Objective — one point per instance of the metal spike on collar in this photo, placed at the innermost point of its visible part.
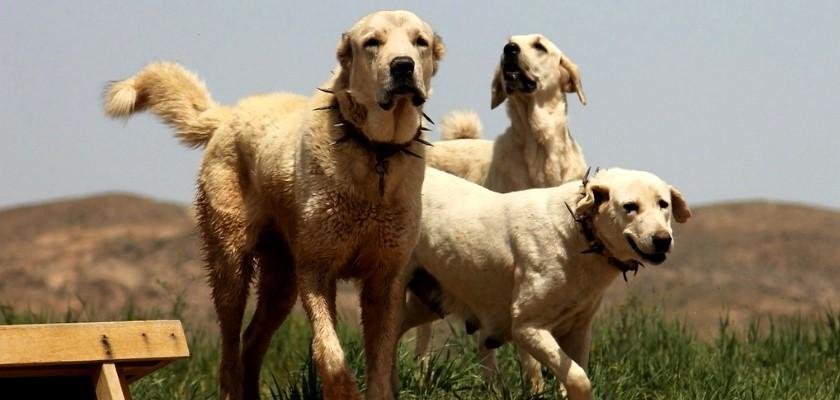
(411, 153)
(329, 107)
(427, 118)
(586, 176)
(341, 139)
(423, 141)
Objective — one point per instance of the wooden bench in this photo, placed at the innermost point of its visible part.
(85, 360)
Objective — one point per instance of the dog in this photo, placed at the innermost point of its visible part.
(537, 150)
(538, 276)
(299, 192)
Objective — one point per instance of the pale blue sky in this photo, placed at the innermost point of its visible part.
(726, 100)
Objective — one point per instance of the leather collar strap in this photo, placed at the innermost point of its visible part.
(597, 246)
(382, 150)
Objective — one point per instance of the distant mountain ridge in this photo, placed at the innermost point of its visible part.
(750, 258)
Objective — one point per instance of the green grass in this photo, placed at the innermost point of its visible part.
(636, 354)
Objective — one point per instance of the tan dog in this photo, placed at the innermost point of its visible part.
(537, 149)
(301, 192)
(538, 277)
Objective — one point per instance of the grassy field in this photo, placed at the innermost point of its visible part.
(636, 354)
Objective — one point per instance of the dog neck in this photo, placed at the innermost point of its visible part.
(399, 124)
(349, 131)
(539, 126)
(594, 244)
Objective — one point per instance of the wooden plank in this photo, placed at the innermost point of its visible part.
(108, 383)
(124, 384)
(131, 370)
(55, 344)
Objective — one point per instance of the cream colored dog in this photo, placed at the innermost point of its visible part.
(537, 149)
(532, 266)
(301, 192)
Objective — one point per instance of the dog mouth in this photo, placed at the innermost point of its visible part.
(402, 89)
(655, 258)
(516, 80)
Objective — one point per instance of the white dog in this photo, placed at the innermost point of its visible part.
(537, 150)
(532, 266)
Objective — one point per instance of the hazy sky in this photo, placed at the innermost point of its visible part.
(726, 100)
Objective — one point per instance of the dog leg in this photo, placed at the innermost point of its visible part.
(317, 293)
(542, 345)
(576, 344)
(229, 263)
(415, 314)
(422, 338)
(276, 294)
(487, 358)
(381, 300)
(531, 371)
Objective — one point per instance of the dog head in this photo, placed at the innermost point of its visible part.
(531, 66)
(386, 63)
(631, 213)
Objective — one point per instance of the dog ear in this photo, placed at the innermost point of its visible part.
(497, 90)
(678, 206)
(438, 51)
(344, 51)
(573, 83)
(596, 194)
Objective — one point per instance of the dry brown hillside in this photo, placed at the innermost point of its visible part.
(752, 258)
(105, 251)
(755, 258)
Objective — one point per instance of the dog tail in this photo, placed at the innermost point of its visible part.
(174, 94)
(460, 125)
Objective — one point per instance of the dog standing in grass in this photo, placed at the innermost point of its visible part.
(537, 150)
(302, 191)
(532, 266)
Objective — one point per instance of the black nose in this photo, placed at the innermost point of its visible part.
(511, 50)
(662, 241)
(402, 67)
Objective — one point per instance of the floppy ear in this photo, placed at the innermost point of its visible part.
(438, 50)
(497, 90)
(596, 194)
(344, 51)
(679, 207)
(573, 83)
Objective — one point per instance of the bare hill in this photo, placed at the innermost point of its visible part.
(108, 251)
(747, 259)
(100, 253)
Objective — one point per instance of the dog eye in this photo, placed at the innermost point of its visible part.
(372, 42)
(663, 204)
(540, 47)
(631, 207)
(420, 42)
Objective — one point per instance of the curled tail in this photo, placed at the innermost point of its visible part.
(174, 94)
(460, 125)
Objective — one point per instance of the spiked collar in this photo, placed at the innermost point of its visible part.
(382, 151)
(596, 245)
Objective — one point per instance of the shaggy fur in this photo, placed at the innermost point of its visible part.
(282, 199)
(537, 150)
(515, 263)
